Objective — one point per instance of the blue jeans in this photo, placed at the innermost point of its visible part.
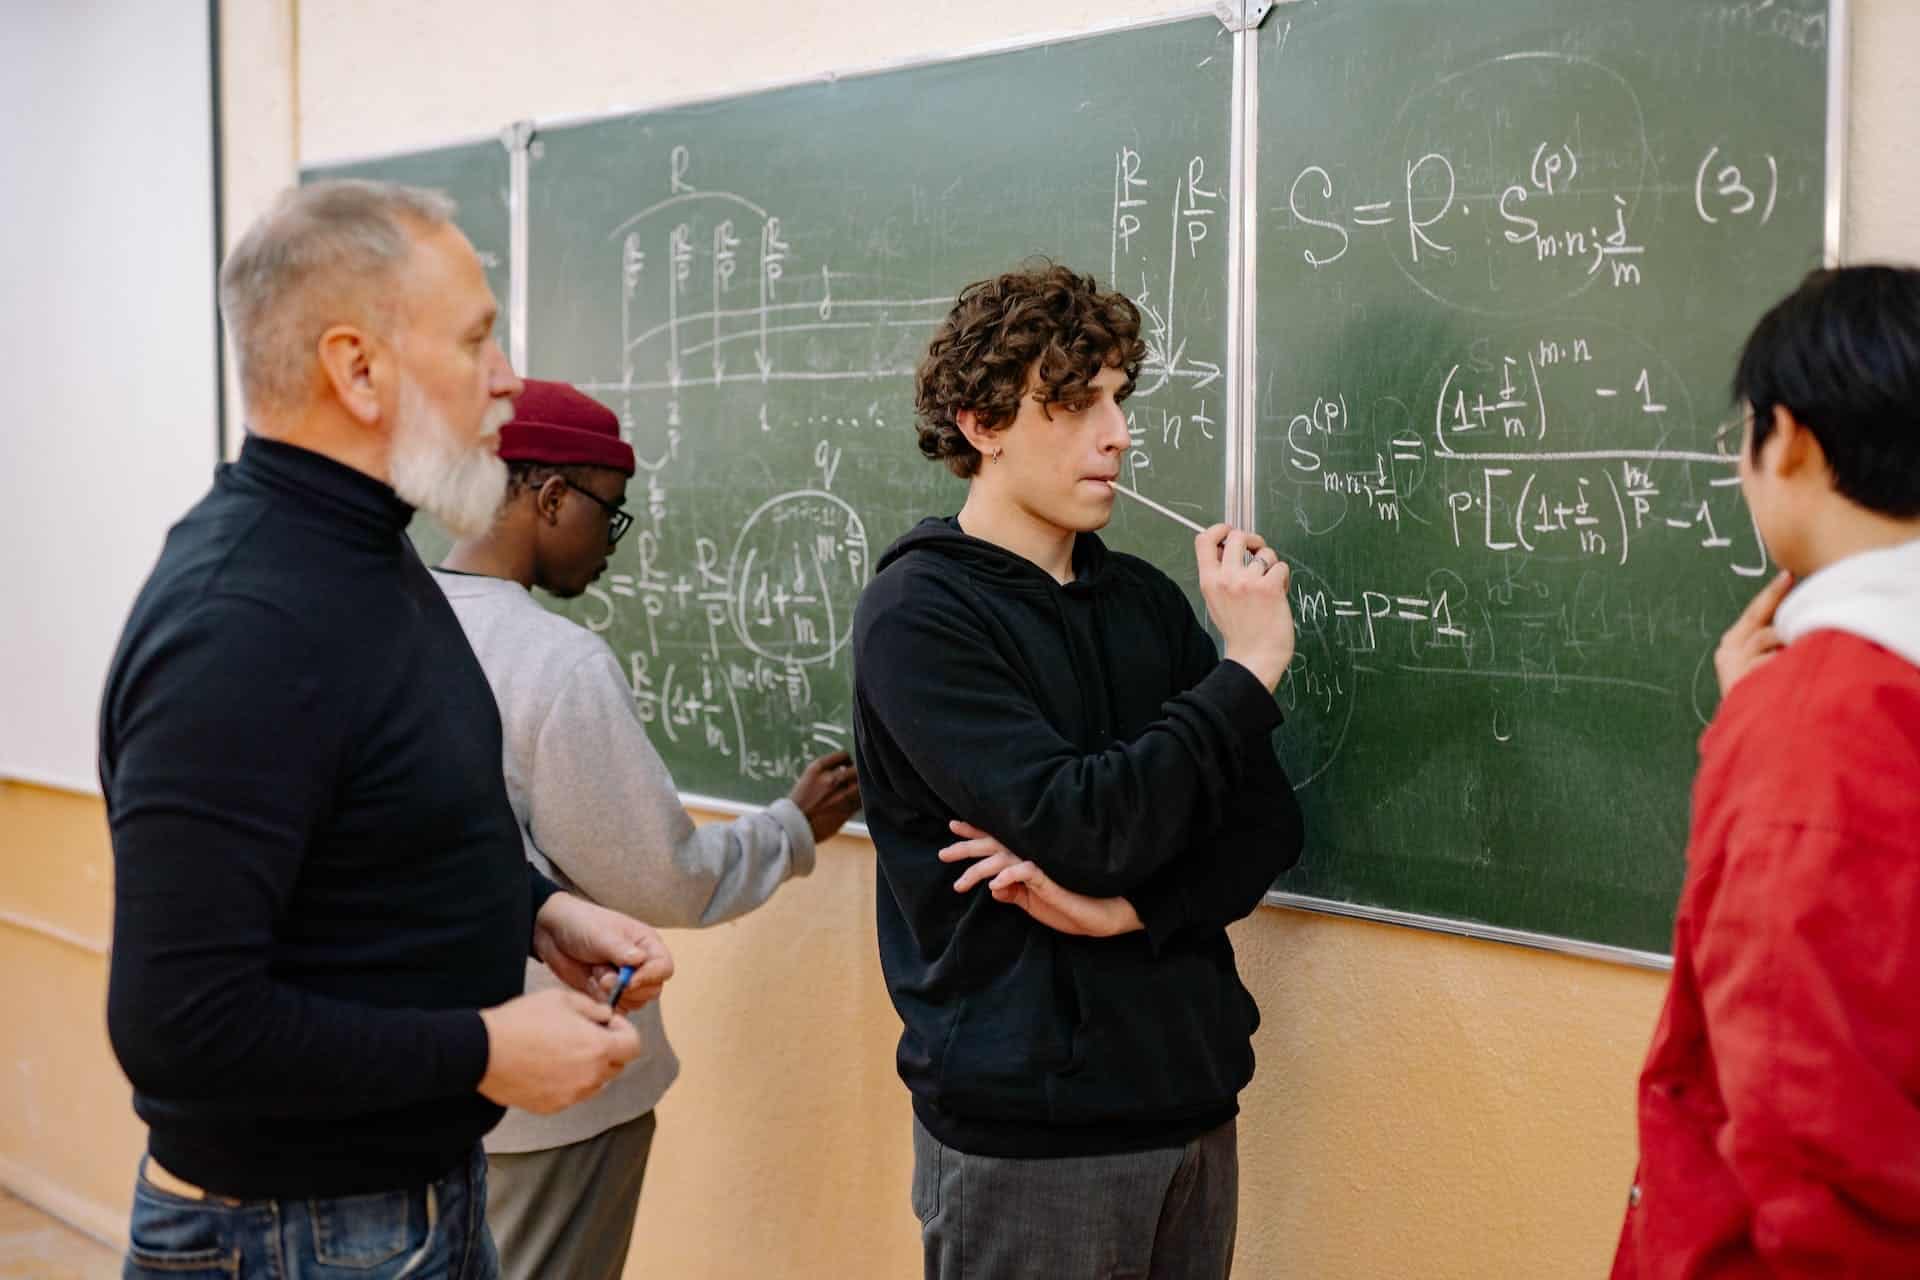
(437, 1231)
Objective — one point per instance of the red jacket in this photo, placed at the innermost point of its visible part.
(1779, 1109)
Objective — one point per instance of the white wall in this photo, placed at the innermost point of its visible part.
(107, 321)
(448, 69)
(1883, 150)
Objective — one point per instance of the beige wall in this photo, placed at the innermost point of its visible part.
(1424, 1106)
(68, 1137)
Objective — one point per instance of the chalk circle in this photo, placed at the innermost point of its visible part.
(1481, 131)
(795, 575)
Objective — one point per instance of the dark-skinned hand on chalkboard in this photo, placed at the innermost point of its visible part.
(827, 793)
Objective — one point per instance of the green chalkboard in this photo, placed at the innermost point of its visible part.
(476, 176)
(1507, 251)
(750, 283)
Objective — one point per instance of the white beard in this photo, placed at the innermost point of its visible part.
(460, 485)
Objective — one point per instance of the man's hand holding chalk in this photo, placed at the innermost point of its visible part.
(1245, 586)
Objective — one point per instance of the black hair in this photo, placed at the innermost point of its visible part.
(1841, 353)
(1042, 318)
(525, 476)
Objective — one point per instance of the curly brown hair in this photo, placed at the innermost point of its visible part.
(1044, 323)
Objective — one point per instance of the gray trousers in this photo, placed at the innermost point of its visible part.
(566, 1213)
(1147, 1215)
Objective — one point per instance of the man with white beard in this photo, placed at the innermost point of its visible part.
(322, 908)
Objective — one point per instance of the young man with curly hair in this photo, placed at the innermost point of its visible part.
(1076, 1037)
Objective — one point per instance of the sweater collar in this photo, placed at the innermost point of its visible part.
(315, 483)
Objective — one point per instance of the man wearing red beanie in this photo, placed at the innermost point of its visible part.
(599, 814)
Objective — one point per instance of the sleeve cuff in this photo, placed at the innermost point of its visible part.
(463, 1037)
(799, 834)
(1161, 914)
(1237, 693)
(541, 889)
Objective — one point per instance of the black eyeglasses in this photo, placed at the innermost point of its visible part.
(618, 521)
(1729, 435)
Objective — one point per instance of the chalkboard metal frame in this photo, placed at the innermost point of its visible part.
(1243, 225)
(1839, 61)
(522, 135)
(517, 137)
(1838, 56)
(1242, 356)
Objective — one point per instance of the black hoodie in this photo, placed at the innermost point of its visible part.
(1092, 728)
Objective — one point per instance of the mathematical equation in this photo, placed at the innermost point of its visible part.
(1490, 472)
(1526, 212)
(1194, 212)
(1519, 630)
(733, 633)
(1538, 210)
(1526, 461)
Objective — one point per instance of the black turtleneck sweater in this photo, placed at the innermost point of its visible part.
(318, 879)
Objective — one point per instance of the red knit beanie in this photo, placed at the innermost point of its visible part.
(557, 425)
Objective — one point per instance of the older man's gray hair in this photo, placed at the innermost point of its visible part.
(325, 254)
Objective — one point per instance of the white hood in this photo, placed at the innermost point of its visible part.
(1874, 595)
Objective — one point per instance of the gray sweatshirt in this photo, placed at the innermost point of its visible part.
(599, 814)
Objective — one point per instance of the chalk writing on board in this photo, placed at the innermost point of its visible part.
(1480, 475)
(1532, 219)
(1544, 438)
(734, 596)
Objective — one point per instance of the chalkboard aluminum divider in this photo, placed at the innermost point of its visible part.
(1839, 58)
(1242, 293)
(735, 809)
(1469, 929)
(517, 138)
(1242, 15)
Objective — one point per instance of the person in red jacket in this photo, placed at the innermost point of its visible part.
(1779, 1109)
